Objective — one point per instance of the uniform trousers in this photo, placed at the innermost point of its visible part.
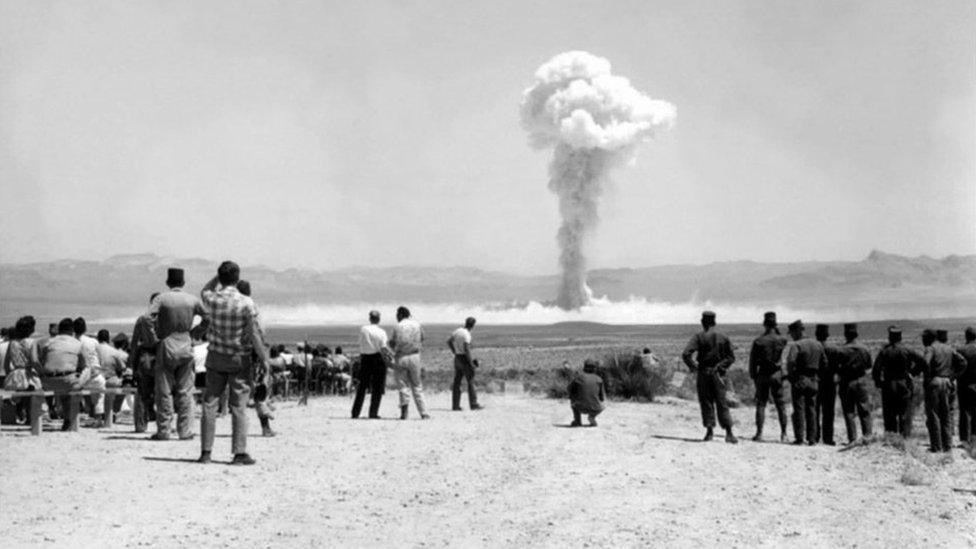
(896, 406)
(826, 403)
(855, 404)
(711, 398)
(967, 410)
(804, 393)
(770, 386)
(937, 414)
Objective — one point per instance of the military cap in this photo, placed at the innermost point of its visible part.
(894, 330)
(708, 314)
(942, 335)
(769, 318)
(970, 332)
(174, 277)
(822, 330)
(591, 363)
(796, 325)
(929, 333)
(850, 326)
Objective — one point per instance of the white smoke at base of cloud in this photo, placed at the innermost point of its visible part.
(595, 121)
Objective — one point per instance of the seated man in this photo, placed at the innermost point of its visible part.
(112, 365)
(587, 393)
(343, 369)
(94, 403)
(62, 366)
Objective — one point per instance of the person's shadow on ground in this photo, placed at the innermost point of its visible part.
(679, 439)
(181, 460)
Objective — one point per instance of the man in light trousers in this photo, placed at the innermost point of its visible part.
(407, 341)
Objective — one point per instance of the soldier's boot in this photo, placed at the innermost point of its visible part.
(757, 437)
(266, 429)
(730, 438)
(404, 410)
(783, 437)
(709, 434)
(577, 420)
(759, 426)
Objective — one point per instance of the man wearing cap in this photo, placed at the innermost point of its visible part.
(142, 362)
(892, 373)
(407, 341)
(232, 328)
(766, 373)
(174, 374)
(826, 387)
(804, 359)
(967, 389)
(464, 365)
(942, 364)
(855, 362)
(713, 356)
(372, 367)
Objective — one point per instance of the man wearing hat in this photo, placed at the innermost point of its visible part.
(804, 359)
(586, 394)
(767, 374)
(855, 363)
(826, 387)
(892, 373)
(174, 374)
(967, 389)
(373, 344)
(713, 356)
(942, 364)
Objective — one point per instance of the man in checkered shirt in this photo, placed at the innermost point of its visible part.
(233, 323)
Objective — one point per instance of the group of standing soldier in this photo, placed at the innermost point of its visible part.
(818, 372)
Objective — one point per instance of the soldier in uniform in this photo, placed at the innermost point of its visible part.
(142, 359)
(713, 356)
(892, 373)
(942, 336)
(966, 386)
(767, 374)
(942, 363)
(804, 360)
(827, 387)
(855, 363)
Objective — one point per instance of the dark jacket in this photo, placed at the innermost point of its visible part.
(765, 354)
(587, 393)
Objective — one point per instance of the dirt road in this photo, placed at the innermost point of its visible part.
(510, 475)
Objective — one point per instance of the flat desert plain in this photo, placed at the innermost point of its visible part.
(511, 475)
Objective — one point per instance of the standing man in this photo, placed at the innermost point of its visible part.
(372, 366)
(407, 341)
(766, 373)
(233, 324)
(713, 356)
(892, 373)
(174, 311)
(855, 363)
(804, 360)
(261, 376)
(142, 362)
(942, 363)
(826, 387)
(464, 365)
(967, 389)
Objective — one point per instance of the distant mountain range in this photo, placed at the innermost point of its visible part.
(122, 283)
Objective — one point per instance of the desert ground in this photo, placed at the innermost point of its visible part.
(511, 475)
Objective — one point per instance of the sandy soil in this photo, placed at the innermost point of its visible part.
(511, 475)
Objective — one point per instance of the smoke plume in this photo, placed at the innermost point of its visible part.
(595, 121)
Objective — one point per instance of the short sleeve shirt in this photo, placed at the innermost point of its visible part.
(459, 338)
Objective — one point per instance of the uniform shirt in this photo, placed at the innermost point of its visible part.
(855, 361)
(232, 320)
(895, 362)
(713, 349)
(805, 357)
(408, 337)
(59, 354)
(765, 354)
(458, 338)
(110, 359)
(174, 311)
(372, 339)
(942, 360)
(586, 392)
(89, 348)
(968, 352)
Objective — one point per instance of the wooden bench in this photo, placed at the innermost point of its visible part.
(74, 403)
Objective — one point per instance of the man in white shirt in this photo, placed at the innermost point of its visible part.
(372, 367)
(407, 340)
(464, 365)
(89, 349)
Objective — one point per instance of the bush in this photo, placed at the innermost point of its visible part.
(624, 377)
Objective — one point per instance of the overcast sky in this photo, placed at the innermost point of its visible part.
(329, 134)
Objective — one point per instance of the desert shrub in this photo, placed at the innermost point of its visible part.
(915, 474)
(624, 377)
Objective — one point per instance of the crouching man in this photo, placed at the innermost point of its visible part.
(586, 394)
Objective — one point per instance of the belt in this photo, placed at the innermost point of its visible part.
(59, 374)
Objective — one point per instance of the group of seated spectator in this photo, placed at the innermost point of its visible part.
(66, 360)
(327, 370)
